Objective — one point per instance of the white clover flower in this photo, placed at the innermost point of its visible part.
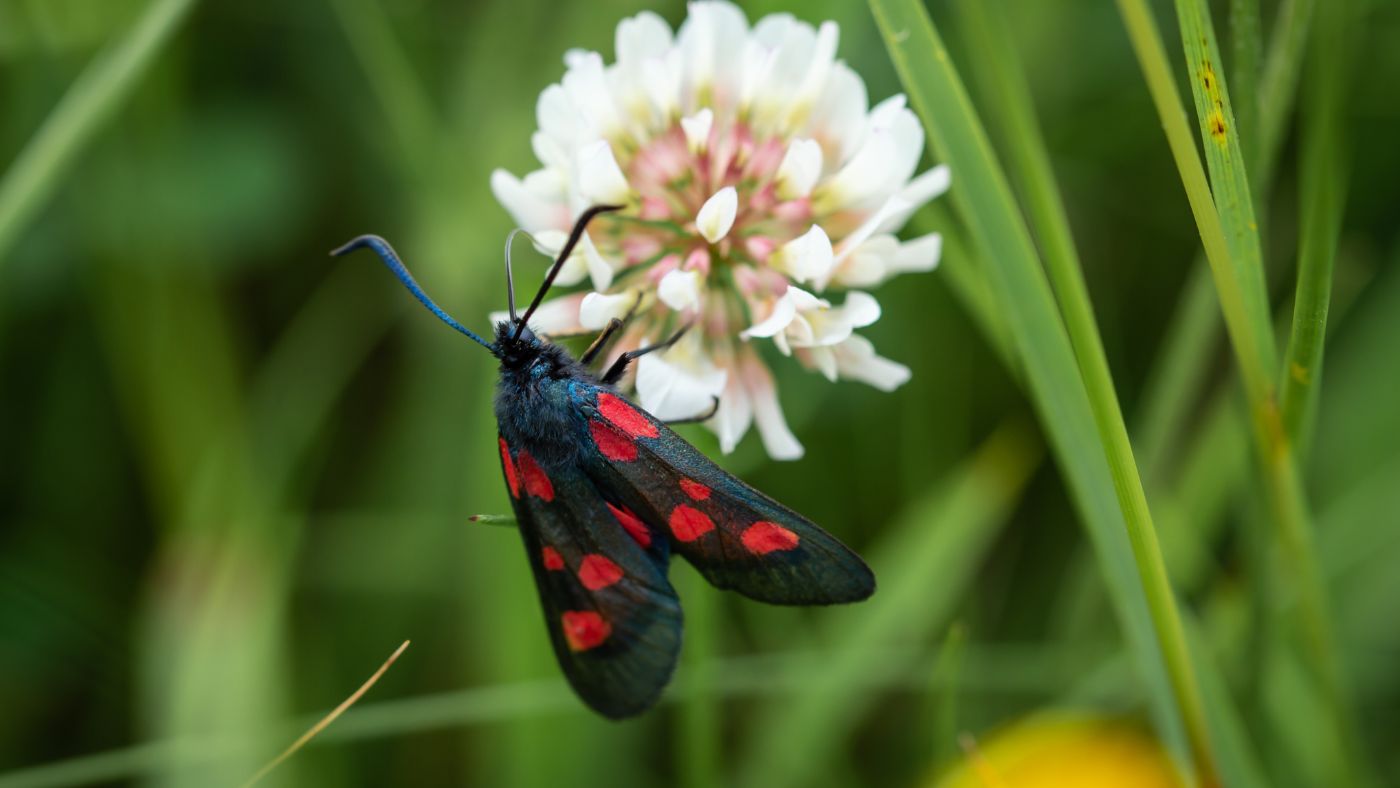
(756, 178)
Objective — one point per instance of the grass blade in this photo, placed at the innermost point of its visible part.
(1321, 194)
(1234, 203)
(1252, 340)
(1246, 43)
(697, 738)
(1241, 325)
(325, 721)
(1085, 426)
(1176, 378)
(1278, 85)
(87, 105)
(945, 709)
(1011, 102)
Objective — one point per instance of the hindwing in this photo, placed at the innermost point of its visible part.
(612, 615)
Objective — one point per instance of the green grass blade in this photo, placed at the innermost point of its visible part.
(1321, 194)
(1278, 85)
(82, 112)
(1176, 379)
(696, 739)
(1010, 100)
(1252, 342)
(1239, 321)
(945, 707)
(1221, 135)
(1009, 103)
(1246, 45)
(924, 567)
(1191, 336)
(1084, 426)
(1286, 498)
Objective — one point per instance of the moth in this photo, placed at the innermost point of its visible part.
(604, 493)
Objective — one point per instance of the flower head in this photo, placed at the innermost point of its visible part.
(757, 180)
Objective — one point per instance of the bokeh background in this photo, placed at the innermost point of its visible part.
(235, 473)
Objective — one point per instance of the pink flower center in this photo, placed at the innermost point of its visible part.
(672, 184)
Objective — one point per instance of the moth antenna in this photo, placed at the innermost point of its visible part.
(391, 260)
(574, 236)
(510, 278)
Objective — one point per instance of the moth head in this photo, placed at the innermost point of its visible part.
(517, 346)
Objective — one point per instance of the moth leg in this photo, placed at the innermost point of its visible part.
(601, 342)
(614, 373)
(714, 408)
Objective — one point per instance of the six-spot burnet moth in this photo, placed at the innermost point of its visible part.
(604, 493)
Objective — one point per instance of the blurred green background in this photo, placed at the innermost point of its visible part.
(236, 473)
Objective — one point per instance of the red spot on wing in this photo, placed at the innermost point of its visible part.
(536, 483)
(689, 523)
(626, 417)
(614, 446)
(764, 537)
(598, 572)
(585, 629)
(512, 480)
(695, 490)
(634, 527)
(552, 560)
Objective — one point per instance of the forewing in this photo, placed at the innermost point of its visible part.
(736, 536)
(612, 615)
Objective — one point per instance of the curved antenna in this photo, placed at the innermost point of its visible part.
(510, 278)
(391, 260)
(574, 236)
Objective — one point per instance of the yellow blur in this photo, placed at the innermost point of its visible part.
(1064, 750)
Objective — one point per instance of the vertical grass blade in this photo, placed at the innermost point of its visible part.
(1185, 359)
(1177, 377)
(1286, 498)
(697, 746)
(1220, 132)
(1084, 426)
(945, 706)
(1147, 43)
(1009, 98)
(1278, 85)
(1321, 196)
(87, 105)
(1246, 44)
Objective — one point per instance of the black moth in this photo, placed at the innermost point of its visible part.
(604, 493)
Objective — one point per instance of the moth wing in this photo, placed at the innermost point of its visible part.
(612, 615)
(736, 536)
